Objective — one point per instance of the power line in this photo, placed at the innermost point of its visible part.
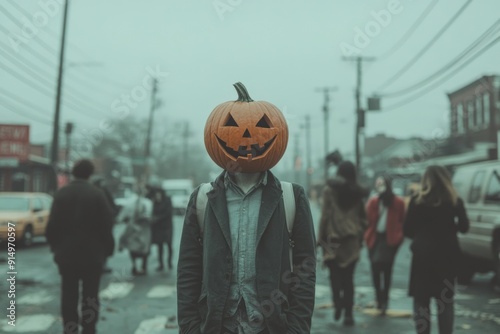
(48, 31)
(411, 30)
(76, 105)
(20, 99)
(449, 65)
(429, 88)
(412, 61)
(42, 90)
(42, 71)
(17, 111)
(41, 42)
(43, 58)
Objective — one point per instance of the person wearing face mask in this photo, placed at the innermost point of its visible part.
(384, 235)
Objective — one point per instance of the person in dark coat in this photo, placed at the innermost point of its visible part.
(161, 227)
(435, 216)
(341, 229)
(384, 235)
(205, 277)
(79, 234)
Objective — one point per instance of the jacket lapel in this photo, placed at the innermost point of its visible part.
(217, 201)
(271, 197)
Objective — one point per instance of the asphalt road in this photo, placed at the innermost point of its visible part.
(146, 304)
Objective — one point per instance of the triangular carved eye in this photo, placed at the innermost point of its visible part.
(264, 122)
(230, 121)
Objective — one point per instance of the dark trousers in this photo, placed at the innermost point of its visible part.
(143, 257)
(71, 276)
(342, 284)
(422, 316)
(160, 254)
(382, 278)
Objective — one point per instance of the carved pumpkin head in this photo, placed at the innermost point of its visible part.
(245, 135)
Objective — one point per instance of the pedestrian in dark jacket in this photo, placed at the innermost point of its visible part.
(342, 224)
(161, 226)
(434, 218)
(79, 235)
(384, 235)
(236, 271)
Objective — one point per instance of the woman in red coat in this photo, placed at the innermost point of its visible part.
(385, 214)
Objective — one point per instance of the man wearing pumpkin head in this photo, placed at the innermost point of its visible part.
(247, 260)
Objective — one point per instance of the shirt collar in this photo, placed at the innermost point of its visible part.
(228, 180)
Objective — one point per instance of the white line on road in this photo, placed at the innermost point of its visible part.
(29, 323)
(116, 290)
(152, 326)
(161, 291)
(36, 298)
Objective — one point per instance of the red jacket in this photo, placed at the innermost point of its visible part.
(395, 219)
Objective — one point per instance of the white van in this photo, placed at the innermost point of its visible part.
(179, 191)
(478, 185)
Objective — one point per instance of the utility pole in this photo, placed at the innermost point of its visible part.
(55, 134)
(308, 154)
(147, 149)
(296, 162)
(360, 113)
(326, 91)
(67, 131)
(185, 136)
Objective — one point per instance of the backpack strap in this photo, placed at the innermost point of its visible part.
(289, 203)
(201, 204)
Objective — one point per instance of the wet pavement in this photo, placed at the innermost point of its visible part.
(147, 304)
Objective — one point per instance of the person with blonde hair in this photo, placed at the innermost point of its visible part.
(435, 215)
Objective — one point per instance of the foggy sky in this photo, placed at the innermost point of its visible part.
(281, 50)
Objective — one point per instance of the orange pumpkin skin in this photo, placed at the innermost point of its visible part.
(246, 136)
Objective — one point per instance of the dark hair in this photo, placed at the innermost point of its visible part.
(82, 169)
(347, 170)
(152, 191)
(350, 192)
(387, 197)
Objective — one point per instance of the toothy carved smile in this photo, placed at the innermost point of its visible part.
(244, 151)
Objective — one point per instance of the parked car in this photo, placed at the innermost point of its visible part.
(478, 185)
(179, 191)
(27, 212)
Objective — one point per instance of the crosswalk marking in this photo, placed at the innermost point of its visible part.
(322, 291)
(161, 291)
(29, 323)
(36, 298)
(116, 290)
(152, 326)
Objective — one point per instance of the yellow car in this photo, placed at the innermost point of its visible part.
(26, 214)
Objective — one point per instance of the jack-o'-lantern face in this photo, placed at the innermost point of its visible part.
(245, 135)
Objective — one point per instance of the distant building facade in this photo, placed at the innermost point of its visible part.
(475, 112)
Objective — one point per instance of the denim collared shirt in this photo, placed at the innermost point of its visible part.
(242, 313)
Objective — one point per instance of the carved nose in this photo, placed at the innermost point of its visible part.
(247, 134)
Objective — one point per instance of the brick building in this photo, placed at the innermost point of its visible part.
(475, 112)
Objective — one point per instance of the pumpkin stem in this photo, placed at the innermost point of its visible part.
(242, 93)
